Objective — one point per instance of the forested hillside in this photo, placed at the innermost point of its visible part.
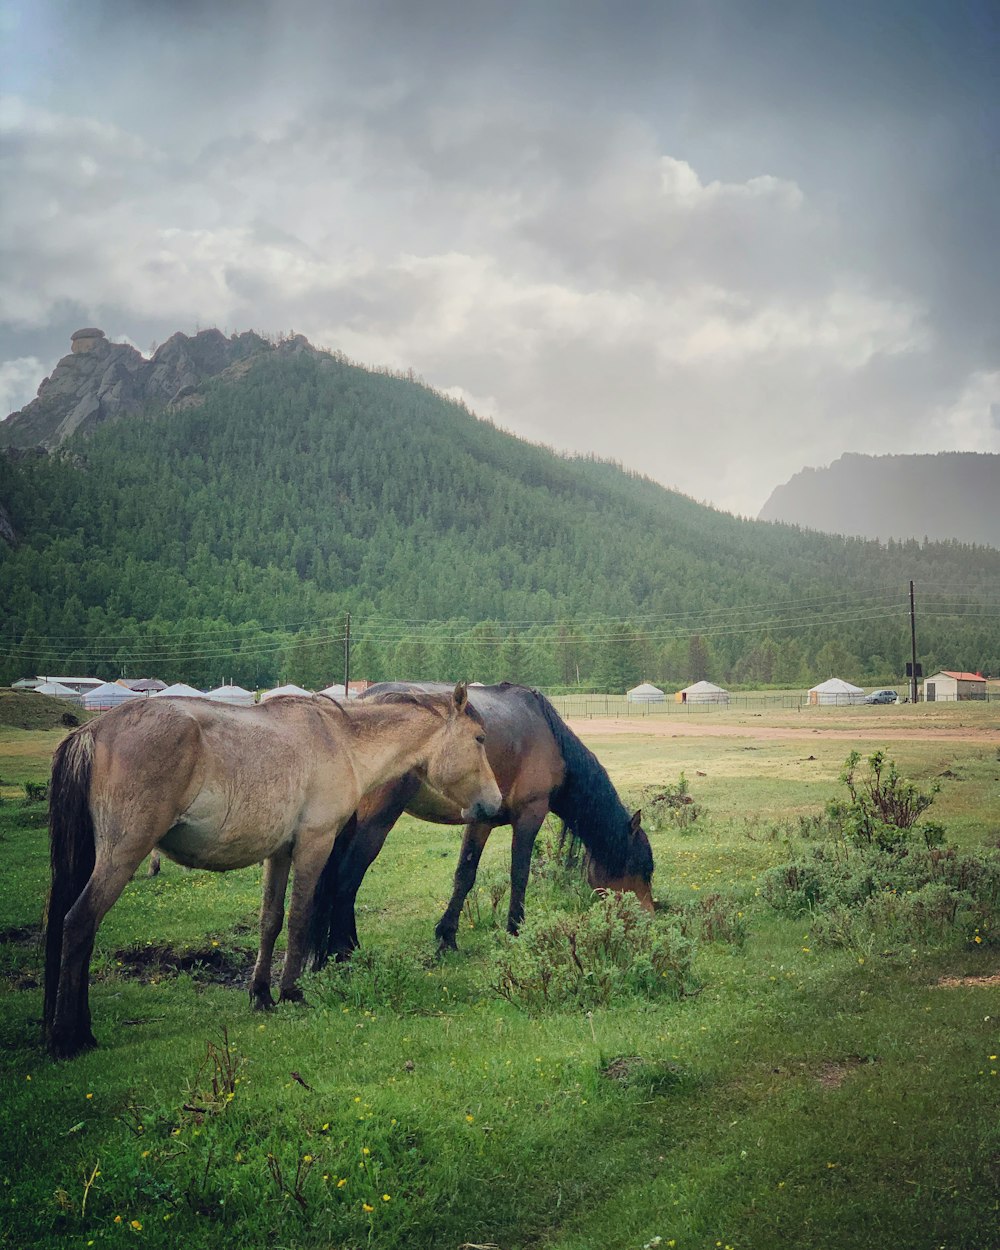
(229, 539)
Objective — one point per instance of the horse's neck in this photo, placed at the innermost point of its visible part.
(392, 739)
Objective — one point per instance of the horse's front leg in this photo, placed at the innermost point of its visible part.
(312, 850)
(526, 827)
(473, 841)
(272, 914)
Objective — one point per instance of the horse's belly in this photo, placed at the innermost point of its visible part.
(218, 834)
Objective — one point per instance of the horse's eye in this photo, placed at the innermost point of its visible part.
(481, 738)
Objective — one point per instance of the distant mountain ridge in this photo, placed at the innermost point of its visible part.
(102, 381)
(951, 495)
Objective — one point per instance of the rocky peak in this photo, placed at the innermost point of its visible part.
(102, 381)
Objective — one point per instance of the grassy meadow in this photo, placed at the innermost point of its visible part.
(822, 1080)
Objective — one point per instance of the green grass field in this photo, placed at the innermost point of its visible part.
(803, 1094)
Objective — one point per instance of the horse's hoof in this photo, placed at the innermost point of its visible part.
(292, 995)
(446, 944)
(261, 1000)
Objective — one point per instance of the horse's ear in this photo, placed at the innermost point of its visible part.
(460, 697)
(635, 824)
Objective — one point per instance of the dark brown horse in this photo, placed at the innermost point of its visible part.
(223, 787)
(541, 766)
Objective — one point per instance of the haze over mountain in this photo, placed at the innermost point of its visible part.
(217, 510)
(951, 495)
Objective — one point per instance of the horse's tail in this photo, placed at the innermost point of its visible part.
(324, 909)
(71, 848)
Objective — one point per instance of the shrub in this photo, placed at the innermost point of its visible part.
(586, 960)
(36, 791)
(370, 979)
(884, 807)
(669, 805)
(871, 880)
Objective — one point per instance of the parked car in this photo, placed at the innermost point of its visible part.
(882, 696)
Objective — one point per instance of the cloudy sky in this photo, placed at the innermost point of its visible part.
(716, 240)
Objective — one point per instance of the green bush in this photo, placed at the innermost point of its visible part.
(614, 948)
(883, 807)
(876, 875)
(669, 806)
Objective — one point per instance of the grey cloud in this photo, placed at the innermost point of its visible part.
(716, 242)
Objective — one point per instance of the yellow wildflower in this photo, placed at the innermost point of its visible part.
(366, 1206)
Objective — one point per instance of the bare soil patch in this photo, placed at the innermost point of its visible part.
(211, 964)
(986, 982)
(667, 728)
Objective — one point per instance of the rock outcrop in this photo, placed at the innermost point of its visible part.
(8, 534)
(103, 381)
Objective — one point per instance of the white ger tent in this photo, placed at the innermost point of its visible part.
(289, 689)
(836, 691)
(57, 691)
(703, 692)
(645, 692)
(179, 690)
(232, 694)
(109, 695)
(336, 691)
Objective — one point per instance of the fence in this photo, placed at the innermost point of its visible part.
(582, 706)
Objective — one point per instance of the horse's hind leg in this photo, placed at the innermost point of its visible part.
(71, 1031)
(526, 827)
(473, 840)
(272, 915)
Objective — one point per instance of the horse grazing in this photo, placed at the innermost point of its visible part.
(541, 766)
(221, 787)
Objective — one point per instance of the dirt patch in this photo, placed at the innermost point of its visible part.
(989, 981)
(832, 1073)
(668, 728)
(649, 1075)
(211, 964)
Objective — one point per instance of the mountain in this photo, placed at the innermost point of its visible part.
(227, 532)
(952, 495)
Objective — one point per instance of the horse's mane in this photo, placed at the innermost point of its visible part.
(432, 702)
(589, 807)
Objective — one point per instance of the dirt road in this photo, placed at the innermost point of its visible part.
(599, 727)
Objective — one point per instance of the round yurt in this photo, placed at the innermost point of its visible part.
(235, 695)
(835, 691)
(702, 692)
(101, 698)
(645, 692)
(179, 690)
(145, 685)
(56, 690)
(289, 689)
(336, 691)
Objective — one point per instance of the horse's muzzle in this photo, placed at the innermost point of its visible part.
(480, 811)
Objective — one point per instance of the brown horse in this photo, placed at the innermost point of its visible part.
(541, 766)
(222, 787)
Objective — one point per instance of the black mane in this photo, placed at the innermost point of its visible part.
(589, 807)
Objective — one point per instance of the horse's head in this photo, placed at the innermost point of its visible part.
(637, 876)
(457, 765)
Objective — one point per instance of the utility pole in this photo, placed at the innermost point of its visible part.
(913, 650)
(347, 656)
